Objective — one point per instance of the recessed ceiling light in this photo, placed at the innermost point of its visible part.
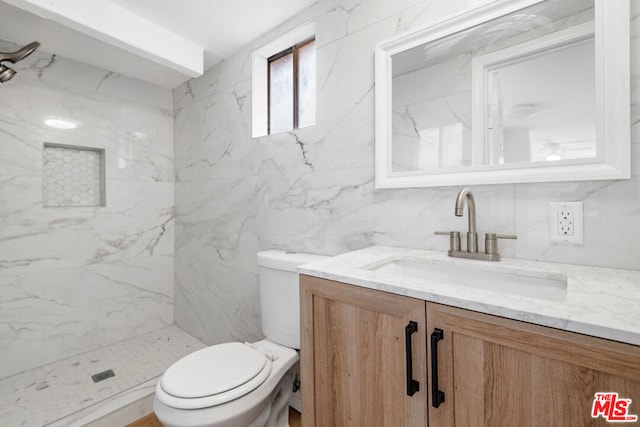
(60, 124)
(553, 157)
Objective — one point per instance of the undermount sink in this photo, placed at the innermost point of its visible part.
(527, 283)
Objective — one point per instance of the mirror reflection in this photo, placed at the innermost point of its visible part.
(518, 90)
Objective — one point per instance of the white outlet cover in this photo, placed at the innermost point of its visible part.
(555, 235)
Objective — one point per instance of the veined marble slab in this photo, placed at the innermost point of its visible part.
(55, 69)
(601, 302)
(63, 393)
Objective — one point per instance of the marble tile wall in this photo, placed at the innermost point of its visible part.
(431, 122)
(76, 278)
(312, 189)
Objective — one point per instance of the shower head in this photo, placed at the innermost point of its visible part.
(7, 73)
(19, 55)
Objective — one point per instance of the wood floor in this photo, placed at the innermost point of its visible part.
(147, 421)
(152, 421)
(295, 419)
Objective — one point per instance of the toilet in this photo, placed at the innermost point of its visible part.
(242, 384)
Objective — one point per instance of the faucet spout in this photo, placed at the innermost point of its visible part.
(472, 236)
(490, 252)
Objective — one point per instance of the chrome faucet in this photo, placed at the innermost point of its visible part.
(491, 239)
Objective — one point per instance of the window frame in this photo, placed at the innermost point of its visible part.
(259, 68)
(292, 50)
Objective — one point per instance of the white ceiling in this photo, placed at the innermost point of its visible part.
(221, 27)
(163, 42)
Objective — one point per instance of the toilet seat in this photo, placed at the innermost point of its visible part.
(213, 375)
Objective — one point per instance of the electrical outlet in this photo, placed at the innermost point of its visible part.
(566, 222)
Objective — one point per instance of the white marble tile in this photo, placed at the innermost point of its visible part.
(338, 18)
(63, 393)
(217, 216)
(54, 69)
(137, 222)
(440, 80)
(432, 134)
(217, 303)
(345, 73)
(218, 224)
(320, 212)
(78, 309)
(137, 138)
(611, 223)
(203, 149)
(325, 212)
(342, 142)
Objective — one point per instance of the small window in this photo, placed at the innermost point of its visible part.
(283, 82)
(292, 87)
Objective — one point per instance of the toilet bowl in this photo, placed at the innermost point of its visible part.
(242, 384)
(222, 403)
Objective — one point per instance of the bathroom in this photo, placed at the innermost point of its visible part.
(191, 197)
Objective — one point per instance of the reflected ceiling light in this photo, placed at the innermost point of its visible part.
(60, 123)
(523, 111)
(553, 150)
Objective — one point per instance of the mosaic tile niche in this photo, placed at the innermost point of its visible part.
(72, 176)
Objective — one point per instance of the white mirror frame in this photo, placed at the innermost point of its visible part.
(612, 104)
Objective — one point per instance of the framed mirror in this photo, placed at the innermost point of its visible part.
(513, 91)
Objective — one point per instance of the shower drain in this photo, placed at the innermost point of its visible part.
(101, 376)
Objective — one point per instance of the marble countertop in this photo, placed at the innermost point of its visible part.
(601, 302)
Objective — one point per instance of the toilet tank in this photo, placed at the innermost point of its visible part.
(280, 294)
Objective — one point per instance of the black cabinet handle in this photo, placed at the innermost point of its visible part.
(412, 385)
(437, 396)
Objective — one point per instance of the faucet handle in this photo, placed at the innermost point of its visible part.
(504, 236)
(491, 242)
(454, 239)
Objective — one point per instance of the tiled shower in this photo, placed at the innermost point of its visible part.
(86, 213)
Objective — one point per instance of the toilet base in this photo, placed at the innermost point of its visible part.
(266, 406)
(265, 415)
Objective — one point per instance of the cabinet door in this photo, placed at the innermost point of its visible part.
(353, 356)
(499, 372)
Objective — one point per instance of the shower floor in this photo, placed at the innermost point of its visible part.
(63, 394)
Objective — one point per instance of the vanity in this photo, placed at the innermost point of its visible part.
(407, 337)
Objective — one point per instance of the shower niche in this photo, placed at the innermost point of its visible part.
(72, 176)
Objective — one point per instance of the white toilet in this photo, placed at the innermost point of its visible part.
(241, 384)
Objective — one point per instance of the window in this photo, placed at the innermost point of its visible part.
(292, 87)
(284, 82)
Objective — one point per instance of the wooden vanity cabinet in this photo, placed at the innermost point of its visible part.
(353, 368)
(491, 371)
(500, 372)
